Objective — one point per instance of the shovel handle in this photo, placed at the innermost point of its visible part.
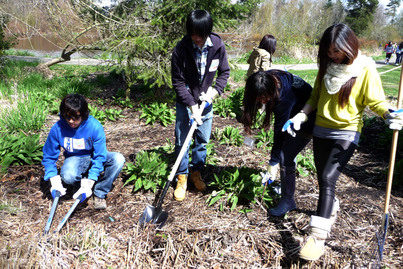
(52, 212)
(185, 146)
(395, 136)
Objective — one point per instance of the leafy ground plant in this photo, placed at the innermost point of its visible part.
(229, 136)
(149, 170)
(264, 139)
(235, 186)
(305, 163)
(19, 149)
(157, 112)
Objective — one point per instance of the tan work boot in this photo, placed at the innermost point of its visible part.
(314, 246)
(181, 185)
(197, 181)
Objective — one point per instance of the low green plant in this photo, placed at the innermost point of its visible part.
(231, 106)
(149, 170)
(19, 149)
(122, 102)
(305, 163)
(211, 157)
(27, 116)
(157, 112)
(264, 139)
(230, 136)
(113, 114)
(236, 186)
(97, 113)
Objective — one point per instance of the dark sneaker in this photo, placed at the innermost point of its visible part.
(99, 203)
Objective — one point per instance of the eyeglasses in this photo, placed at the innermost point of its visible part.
(73, 117)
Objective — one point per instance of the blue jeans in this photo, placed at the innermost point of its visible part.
(76, 167)
(201, 138)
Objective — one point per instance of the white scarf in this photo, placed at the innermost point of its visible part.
(338, 74)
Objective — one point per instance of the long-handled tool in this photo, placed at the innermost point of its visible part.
(79, 199)
(56, 197)
(381, 235)
(155, 214)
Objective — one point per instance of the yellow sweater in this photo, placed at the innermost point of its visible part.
(367, 91)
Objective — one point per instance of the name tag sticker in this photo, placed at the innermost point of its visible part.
(214, 65)
(79, 143)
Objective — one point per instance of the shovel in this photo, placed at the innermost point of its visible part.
(155, 214)
(381, 235)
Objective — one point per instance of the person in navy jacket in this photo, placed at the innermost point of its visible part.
(196, 60)
(82, 139)
(282, 95)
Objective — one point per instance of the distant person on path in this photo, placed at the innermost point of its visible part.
(399, 51)
(197, 59)
(389, 49)
(283, 95)
(87, 163)
(347, 82)
(261, 57)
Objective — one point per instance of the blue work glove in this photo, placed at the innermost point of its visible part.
(85, 189)
(294, 124)
(57, 185)
(209, 95)
(394, 119)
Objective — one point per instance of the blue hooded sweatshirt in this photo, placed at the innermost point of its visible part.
(87, 140)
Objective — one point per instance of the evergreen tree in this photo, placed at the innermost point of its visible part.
(360, 13)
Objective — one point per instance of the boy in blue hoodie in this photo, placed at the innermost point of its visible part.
(82, 139)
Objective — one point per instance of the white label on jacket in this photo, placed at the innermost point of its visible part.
(79, 143)
(214, 65)
(70, 144)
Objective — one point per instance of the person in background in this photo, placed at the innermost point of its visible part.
(196, 60)
(399, 51)
(261, 57)
(283, 95)
(389, 50)
(87, 162)
(347, 83)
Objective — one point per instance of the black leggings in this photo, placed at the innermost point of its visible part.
(331, 156)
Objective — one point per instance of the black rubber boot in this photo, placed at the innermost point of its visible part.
(287, 203)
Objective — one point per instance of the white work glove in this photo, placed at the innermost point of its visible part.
(395, 119)
(209, 95)
(86, 189)
(270, 175)
(56, 185)
(197, 114)
(294, 124)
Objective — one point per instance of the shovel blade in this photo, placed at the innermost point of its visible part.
(154, 215)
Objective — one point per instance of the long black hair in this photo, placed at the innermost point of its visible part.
(260, 85)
